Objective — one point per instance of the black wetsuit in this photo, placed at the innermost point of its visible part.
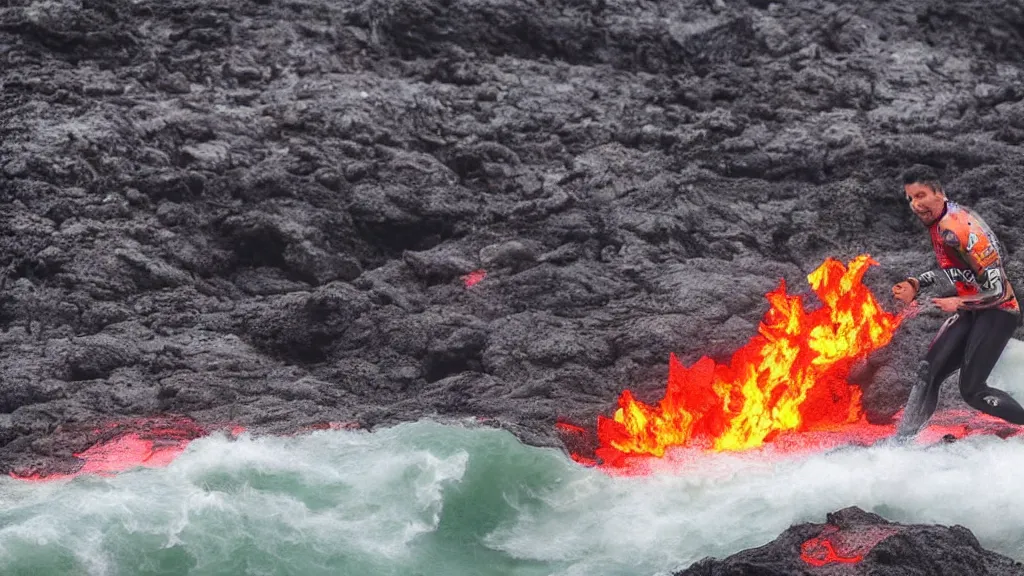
(972, 340)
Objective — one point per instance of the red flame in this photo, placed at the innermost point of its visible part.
(791, 377)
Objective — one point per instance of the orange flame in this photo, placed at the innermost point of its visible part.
(790, 377)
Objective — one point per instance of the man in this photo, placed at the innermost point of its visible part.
(985, 311)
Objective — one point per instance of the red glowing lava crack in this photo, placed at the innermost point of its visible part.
(843, 545)
(474, 278)
(119, 446)
(142, 442)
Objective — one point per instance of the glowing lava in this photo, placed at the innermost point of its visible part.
(146, 442)
(151, 442)
(820, 551)
(791, 377)
(835, 545)
(473, 278)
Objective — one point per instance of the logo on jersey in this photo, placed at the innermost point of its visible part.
(950, 238)
(988, 256)
(959, 275)
(993, 278)
(972, 239)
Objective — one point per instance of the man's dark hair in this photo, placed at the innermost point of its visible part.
(921, 174)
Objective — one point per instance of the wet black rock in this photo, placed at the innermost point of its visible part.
(289, 212)
(853, 541)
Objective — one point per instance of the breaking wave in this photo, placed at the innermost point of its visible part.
(426, 498)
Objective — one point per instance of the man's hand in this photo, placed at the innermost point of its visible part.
(949, 305)
(904, 292)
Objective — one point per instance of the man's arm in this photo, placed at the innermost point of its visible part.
(992, 289)
(979, 251)
(923, 280)
(907, 290)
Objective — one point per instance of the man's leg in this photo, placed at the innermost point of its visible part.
(992, 330)
(943, 358)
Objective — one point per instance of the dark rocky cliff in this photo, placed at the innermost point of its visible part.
(270, 212)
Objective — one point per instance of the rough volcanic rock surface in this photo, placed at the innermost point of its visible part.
(855, 542)
(263, 212)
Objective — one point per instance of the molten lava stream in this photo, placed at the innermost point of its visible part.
(790, 377)
(122, 445)
(828, 554)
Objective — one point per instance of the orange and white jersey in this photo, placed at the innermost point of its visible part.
(968, 254)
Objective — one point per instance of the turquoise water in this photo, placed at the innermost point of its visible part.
(432, 499)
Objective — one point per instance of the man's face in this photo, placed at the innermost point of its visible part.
(925, 202)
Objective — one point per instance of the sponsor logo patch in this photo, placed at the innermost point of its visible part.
(960, 275)
(993, 278)
(950, 238)
(988, 256)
